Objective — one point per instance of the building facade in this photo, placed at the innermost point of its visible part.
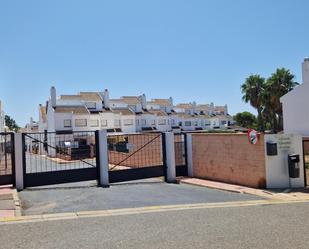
(2, 118)
(87, 111)
(295, 105)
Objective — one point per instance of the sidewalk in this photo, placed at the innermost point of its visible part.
(9, 202)
(277, 194)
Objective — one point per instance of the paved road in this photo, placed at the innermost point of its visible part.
(151, 192)
(283, 226)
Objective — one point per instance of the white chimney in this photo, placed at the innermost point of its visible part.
(171, 102)
(106, 99)
(194, 107)
(211, 108)
(31, 123)
(53, 96)
(225, 109)
(305, 67)
(143, 101)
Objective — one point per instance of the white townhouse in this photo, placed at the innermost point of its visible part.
(218, 116)
(2, 119)
(90, 111)
(86, 111)
(295, 105)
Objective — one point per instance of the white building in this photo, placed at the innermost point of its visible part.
(295, 105)
(2, 119)
(89, 111)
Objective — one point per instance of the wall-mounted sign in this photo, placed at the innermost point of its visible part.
(252, 136)
(284, 142)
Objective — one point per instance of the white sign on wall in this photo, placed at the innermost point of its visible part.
(277, 170)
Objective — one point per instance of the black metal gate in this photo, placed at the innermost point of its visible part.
(55, 158)
(136, 156)
(7, 163)
(306, 159)
(180, 154)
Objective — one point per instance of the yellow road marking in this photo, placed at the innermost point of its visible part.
(142, 210)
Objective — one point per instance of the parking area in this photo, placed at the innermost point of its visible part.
(87, 196)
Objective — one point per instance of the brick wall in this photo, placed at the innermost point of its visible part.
(229, 158)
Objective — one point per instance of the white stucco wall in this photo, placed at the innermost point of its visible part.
(295, 110)
(295, 106)
(125, 127)
(277, 171)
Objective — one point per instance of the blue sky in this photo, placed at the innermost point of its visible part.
(192, 50)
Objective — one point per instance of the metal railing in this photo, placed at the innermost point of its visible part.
(7, 159)
(135, 151)
(50, 151)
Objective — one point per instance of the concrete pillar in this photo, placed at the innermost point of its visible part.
(19, 161)
(103, 154)
(170, 157)
(189, 154)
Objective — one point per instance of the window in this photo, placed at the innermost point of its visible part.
(91, 105)
(223, 122)
(137, 122)
(128, 122)
(173, 121)
(195, 123)
(153, 122)
(103, 122)
(117, 122)
(207, 123)
(143, 121)
(67, 123)
(162, 122)
(180, 123)
(94, 123)
(80, 122)
(187, 123)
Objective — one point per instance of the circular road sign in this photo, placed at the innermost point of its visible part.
(252, 136)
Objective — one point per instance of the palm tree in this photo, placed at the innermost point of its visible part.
(253, 92)
(279, 83)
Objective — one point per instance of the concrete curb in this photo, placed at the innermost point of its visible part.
(17, 203)
(273, 195)
(141, 210)
(211, 187)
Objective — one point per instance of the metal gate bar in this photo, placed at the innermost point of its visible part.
(306, 159)
(180, 154)
(7, 159)
(136, 156)
(52, 158)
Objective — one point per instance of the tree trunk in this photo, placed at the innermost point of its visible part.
(260, 120)
(280, 123)
(275, 123)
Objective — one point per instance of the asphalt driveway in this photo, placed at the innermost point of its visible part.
(87, 197)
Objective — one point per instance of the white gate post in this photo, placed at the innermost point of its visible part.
(170, 157)
(19, 160)
(189, 154)
(103, 154)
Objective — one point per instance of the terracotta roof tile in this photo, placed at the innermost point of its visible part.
(131, 100)
(164, 102)
(70, 97)
(90, 96)
(123, 111)
(158, 113)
